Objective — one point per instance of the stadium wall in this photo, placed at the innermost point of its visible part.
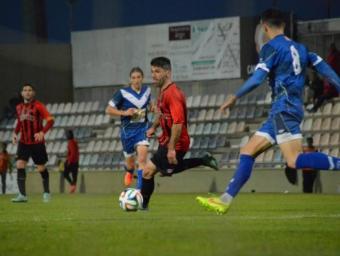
(47, 66)
(194, 181)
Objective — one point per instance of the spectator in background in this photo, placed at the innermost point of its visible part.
(5, 164)
(309, 175)
(72, 162)
(329, 91)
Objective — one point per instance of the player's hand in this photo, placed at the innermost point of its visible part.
(150, 132)
(228, 103)
(39, 136)
(14, 138)
(172, 156)
(130, 112)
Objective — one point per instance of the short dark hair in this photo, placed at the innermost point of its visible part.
(138, 70)
(28, 84)
(69, 134)
(273, 17)
(161, 62)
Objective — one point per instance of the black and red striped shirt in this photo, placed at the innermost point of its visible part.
(30, 118)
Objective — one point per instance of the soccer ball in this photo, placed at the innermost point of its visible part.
(130, 199)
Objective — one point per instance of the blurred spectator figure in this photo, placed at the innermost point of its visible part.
(310, 177)
(72, 162)
(329, 91)
(5, 165)
(315, 86)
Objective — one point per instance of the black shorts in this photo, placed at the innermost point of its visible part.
(160, 160)
(36, 151)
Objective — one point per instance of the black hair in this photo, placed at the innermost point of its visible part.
(273, 17)
(161, 62)
(137, 69)
(28, 84)
(69, 134)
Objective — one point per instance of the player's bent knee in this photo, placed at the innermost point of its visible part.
(21, 164)
(41, 168)
(291, 164)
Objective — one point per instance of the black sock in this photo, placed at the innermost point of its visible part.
(67, 177)
(147, 190)
(188, 164)
(21, 178)
(74, 177)
(45, 180)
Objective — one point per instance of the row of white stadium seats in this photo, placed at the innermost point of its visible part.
(73, 108)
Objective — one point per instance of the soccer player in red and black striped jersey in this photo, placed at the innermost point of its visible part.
(174, 141)
(30, 116)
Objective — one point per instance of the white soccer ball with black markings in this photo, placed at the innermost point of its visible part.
(130, 199)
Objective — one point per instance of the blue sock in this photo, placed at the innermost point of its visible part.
(241, 175)
(318, 161)
(139, 179)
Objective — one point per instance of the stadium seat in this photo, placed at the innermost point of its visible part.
(232, 128)
(81, 107)
(220, 100)
(196, 101)
(88, 107)
(201, 115)
(334, 140)
(54, 108)
(217, 115)
(221, 141)
(268, 156)
(250, 112)
(204, 142)
(324, 140)
(112, 146)
(60, 109)
(108, 132)
(94, 159)
(62, 148)
(119, 146)
(327, 109)
(316, 139)
(244, 141)
(85, 120)
(189, 101)
(95, 106)
(241, 113)
(116, 132)
(56, 147)
(224, 128)
(207, 128)
(192, 128)
(213, 142)
(105, 146)
(199, 129)
(74, 108)
(317, 124)
(277, 156)
(336, 109)
(335, 124)
(212, 100)
(307, 124)
(204, 101)
(98, 146)
(326, 124)
(196, 143)
(90, 146)
(210, 115)
(92, 120)
(67, 108)
(241, 126)
(215, 128)
(193, 115)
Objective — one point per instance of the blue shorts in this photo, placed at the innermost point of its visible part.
(281, 127)
(132, 139)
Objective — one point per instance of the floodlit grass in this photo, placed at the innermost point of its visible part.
(257, 224)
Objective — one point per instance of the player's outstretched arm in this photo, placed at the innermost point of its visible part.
(254, 81)
(325, 70)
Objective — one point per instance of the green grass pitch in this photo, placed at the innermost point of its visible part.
(257, 224)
